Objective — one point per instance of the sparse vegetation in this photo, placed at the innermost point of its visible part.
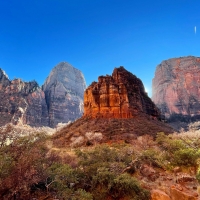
(32, 167)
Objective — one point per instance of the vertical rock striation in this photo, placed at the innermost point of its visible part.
(59, 100)
(121, 95)
(176, 88)
(64, 89)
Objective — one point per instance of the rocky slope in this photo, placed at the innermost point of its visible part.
(121, 95)
(116, 108)
(64, 90)
(176, 88)
(59, 100)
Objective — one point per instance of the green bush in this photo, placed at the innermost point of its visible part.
(198, 175)
(168, 144)
(151, 157)
(186, 157)
(103, 167)
(125, 185)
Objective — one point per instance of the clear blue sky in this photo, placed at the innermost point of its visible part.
(95, 36)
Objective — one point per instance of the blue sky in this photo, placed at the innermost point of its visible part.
(95, 36)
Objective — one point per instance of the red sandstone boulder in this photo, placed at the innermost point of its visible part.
(121, 95)
(179, 193)
(159, 195)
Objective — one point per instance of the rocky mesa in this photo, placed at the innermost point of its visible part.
(176, 88)
(116, 108)
(121, 95)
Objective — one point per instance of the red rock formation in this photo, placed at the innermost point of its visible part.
(176, 87)
(181, 193)
(159, 195)
(121, 95)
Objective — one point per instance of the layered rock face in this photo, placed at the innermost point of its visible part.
(22, 102)
(59, 100)
(121, 95)
(176, 88)
(64, 90)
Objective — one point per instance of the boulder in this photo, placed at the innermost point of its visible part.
(159, 195)
(180, 193)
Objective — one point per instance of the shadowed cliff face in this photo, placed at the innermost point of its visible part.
(59, 100)
(176, 88)
(64, 90)
(121, 95)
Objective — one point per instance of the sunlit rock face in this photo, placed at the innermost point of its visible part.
(121, 95)
(22, 102)
(64, 89)
(176, 88)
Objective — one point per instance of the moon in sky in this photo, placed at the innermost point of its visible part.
(195, 29)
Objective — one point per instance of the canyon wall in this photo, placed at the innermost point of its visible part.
(176, 88)
(64, 89)
(22, 102)
(59, 100)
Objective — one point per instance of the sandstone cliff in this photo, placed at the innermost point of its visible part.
(64, 90)
(59, 100)
(176, 88)
(121, 95)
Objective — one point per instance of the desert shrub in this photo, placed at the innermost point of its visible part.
(186, 157)
(178, 151)
(81, 194)
(198, 175)
(66, 182)
(21, 165)
(124, 185)
(102, 156)
(151, 157)
(168, 144)
(103, 171)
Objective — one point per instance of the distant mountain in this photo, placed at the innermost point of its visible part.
(176, 89)
(64, 89)
(22, 102)
(59, 100)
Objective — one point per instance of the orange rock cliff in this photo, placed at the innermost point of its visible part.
(121, 95)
